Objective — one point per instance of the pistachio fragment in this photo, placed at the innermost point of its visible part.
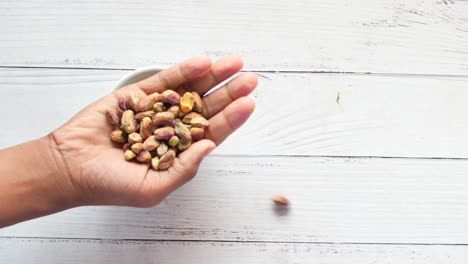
(148, 102)
(155, 163)
(141, 115)
(129, 155)
(188, 117)
(123, 104)
(137, 147)
(118, 136)
(184, 143)
(164, 133)
(113, 117)
(199, 122)
(197, 133)
(186, 102)
(174, 109)
(128, 122)
(181, 130)
(158, 107)
(146, 127)
(134, 138)
(126, 146)
(173, 141)
(134, 100)
(162, 149)
(198, 102)
(167, 160)
(170, 97)
(182, 114)
(174, 149)
(150, 143)
(163, 119)
(144, 156)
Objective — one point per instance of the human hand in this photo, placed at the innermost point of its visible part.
(95, 167)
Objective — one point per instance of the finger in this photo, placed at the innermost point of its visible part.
(220, 71)
(186, 165)
(177, 75)
(241, 86)
(229, 119)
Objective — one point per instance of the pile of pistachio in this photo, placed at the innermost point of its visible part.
(156, 128)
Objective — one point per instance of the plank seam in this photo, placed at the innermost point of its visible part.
(256, 71)
(331, 157)
(231, 241)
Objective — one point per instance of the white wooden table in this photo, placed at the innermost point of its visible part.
(361, 120)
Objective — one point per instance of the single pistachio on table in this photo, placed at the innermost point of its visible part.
(137, 147)
(199, 122)
(186, 102)
(134, 138)
(148, 102)
(197, 102)
(173, 141)
(162, 149)
(118, 136)
(163, 119)
(129, 155)
(280, 200)
(151, 143)
(170, 97)
(146, 127)
(197, 133)
(164, 133)
(144, 156)
(167, 160)
(128, 122)
(158, 107)
(141, 115)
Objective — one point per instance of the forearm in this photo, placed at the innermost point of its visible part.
(33, 182)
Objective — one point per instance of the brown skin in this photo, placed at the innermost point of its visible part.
(78, 165)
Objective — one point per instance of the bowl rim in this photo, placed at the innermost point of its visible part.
(124, 79)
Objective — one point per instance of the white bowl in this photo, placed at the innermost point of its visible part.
(136, 76)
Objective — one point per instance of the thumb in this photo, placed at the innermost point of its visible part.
(188, 162)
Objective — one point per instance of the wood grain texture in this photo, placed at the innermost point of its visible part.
(115, 251)
(332, 200)
(391, 36)
(297, 113)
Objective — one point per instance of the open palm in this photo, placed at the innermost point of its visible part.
(95, 165)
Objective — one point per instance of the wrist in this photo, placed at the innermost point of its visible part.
(56, 170)
(34, 181)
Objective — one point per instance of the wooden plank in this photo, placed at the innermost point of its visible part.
(35, 102)
(332, 200)
(117, 251)
(392, 36)
(297, 113)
